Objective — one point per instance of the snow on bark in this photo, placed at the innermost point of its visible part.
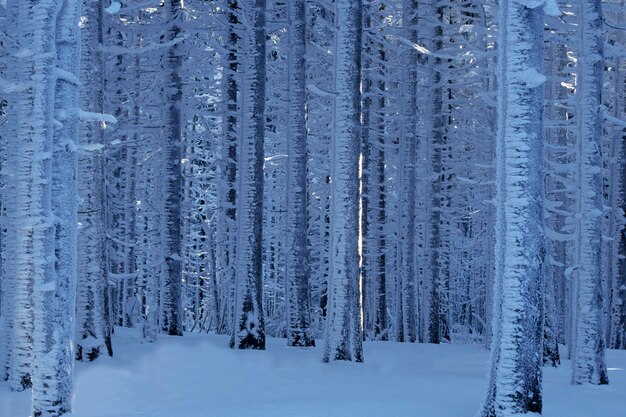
(516, 357)
(249, 331)
(408, 144)
(344, 340)
(9, 124)
(32, 222)
(225, 233)
(429, 154)
(54, 295)
(171, 280)
(297, 262)
(93, 333)
(588, 349)
(373, 200)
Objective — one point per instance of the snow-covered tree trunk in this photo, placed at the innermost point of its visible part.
(31, 225)
(171, 280)
(408, 144)
(249, 328)
(93, 332)
(225, 234)
(588, 350)
(373, 176)
(53, 242)
(297, 274)
(516, 356)
(343, 326)
(555, 207)
(9, 123)
(429, 167)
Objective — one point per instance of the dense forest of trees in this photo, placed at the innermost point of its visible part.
(396, 170)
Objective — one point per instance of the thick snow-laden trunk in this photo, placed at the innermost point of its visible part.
(9, 123)
(171, 280)
(516, 357)
(55, 297)
(31, 224)
(249, 331)
(297, 262)
(588, 350)
(344, 340)
(93, 332)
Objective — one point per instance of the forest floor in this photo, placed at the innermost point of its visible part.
(199, 376)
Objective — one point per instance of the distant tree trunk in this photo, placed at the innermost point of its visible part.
(408, 143)
(373, 176)
(588, 355)
(249, 331)
(430, 158)
(516, 356)
(556, 139)
(343, 326)
(298, 314)
(171, 281)
(225, 233)
(93, 332)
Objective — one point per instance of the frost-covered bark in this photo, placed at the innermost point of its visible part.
(31, 224)
(588, 350)
(297, 262)
(54, 296)
(555, 204)
(516, 357)
(226, 236)
(9, 124)
(171, 280)
(373, 176)
(408, 145)
(93, 332)
(429, 154)
(249, 328)
(343, 326)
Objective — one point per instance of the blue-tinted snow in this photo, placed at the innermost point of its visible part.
(199, 376)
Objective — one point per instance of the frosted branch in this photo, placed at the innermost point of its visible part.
(97, 117)
(65, 75)
(119, 50)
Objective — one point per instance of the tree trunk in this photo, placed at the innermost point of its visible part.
(516, 356)
(249, 331)
(93, 334)
(343, 326)
(297, 288)
(171, 280)
(588, 354)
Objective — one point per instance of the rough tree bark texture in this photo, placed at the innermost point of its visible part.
(588, 355)
(93, 332)
(249, 331)
(516, 357)
(297, 274)
(344, 340)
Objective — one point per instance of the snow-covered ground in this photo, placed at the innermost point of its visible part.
(199, 376)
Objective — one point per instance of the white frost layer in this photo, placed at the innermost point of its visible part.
(114, 8)
(532, 78)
